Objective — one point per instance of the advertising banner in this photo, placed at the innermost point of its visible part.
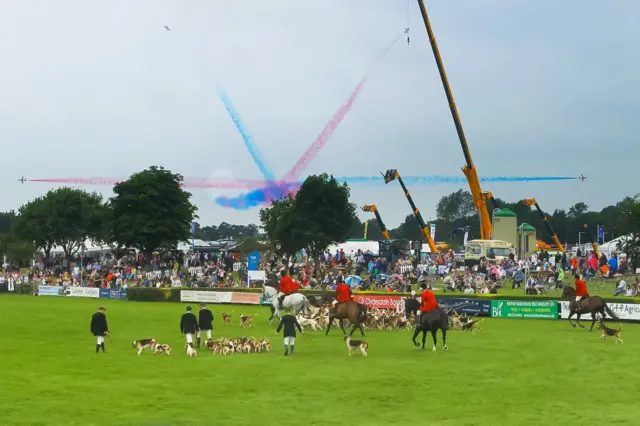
(466, 306)
(49, 290)
(245, 298)
(380, 301)
(107, 293)
(254, 260)
(84, 292)
(624, 311)
(542, 309)
(205, 296)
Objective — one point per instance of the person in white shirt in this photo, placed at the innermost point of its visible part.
(621, 288)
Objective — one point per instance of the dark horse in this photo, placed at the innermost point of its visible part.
(435, 320)
(353, 311)
(593, 305)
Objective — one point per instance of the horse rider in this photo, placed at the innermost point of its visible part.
(343, 294)
(286, 286)
(428, 300)
(581, 291)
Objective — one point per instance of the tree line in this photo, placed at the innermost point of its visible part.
(151, 211)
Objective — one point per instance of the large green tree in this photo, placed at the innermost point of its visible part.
(277, 222)
(151, 211)
(65, 217)
(457, 205)
(319, 215)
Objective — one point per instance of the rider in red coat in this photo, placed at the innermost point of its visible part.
(428, 300)
(343, 294)
(581, 289)
(286, 286)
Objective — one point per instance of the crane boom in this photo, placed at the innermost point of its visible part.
(594, 246)
(372, 208)
(545, 219)
(469, 170)
(392, 174)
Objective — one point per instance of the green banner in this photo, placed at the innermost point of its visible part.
(546, 309)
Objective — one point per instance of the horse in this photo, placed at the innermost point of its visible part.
(432, 320)
(593, 304)
(296, 301)
(353, 311)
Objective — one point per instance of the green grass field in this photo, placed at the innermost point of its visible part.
(516, 372)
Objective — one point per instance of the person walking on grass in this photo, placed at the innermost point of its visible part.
(189, 325)
(99, 328)
(205, 322)
(290, 323)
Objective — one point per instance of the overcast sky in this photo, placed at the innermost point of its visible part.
(100, 88)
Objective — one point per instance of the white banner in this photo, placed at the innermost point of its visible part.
(84, 292)
(624, 311)
(433, 231)
(205, 296)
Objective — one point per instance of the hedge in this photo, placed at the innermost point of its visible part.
(149, 294)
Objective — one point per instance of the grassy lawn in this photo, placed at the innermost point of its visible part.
(516, 372)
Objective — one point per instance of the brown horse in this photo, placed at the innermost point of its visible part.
(593, 305)
(353, 311)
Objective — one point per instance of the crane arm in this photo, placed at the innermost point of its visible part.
(469, 170)
(545, 219)
(372, 208)
(594, 246)
(393, 174)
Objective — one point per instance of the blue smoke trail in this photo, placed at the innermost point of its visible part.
(262, 196)
(253, 149)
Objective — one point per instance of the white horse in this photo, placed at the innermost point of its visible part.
(296, 301)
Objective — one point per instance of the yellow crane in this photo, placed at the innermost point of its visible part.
(545, 218)
(479, 197)
(392, 174)
(372, 208)
(594, 246)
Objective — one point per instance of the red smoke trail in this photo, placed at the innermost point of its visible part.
(333, 124)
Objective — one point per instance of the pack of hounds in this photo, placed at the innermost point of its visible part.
(222, 346)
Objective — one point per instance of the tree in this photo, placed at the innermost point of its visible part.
(631, 241)
(323, 213)
(64, 217)
(456, 205)
(17, 251)
(151, 211)
(276, 222)
(318, 216)
(578, 210)
(6, 220)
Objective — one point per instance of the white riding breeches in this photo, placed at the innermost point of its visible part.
(208, 332)
(189, 337)
(578, 298)
(335, 302)
(289, 341)
(100, 340)
(280, 294)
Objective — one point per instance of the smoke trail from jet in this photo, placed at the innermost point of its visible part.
(252, 147)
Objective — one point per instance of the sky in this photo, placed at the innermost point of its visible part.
(102, 89)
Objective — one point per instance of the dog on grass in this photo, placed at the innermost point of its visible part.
(246, 321)
(143, 344)
(610, 332)
(226, 318)
(352, 345)
(308, 323)
(159, 348)
(191, 352)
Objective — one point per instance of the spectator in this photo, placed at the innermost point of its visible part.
(621, 288)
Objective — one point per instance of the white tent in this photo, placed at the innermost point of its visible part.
(613, 246)
(89, 246)
(354, 246)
